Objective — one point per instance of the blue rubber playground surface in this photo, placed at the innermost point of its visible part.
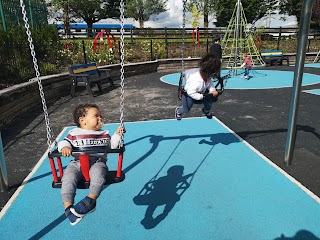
(313, 91)
(259, 79)
(188, 179)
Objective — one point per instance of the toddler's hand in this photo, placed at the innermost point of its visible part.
(118, 131)
(66, 151)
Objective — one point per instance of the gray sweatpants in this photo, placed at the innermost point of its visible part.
(72, 174)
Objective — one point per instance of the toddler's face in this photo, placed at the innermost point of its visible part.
(92, 120)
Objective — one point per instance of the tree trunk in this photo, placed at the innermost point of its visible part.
(66, 20)
(206, 16)
(90, 26)
(141, 23)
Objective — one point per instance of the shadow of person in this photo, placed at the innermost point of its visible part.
(300, 235)
(166, 191)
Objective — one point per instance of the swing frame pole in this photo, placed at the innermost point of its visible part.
(297, 79)
(3, 170)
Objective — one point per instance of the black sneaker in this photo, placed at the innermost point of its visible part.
(72, 218)
(208, 114)
(178, 116)
(85, 206)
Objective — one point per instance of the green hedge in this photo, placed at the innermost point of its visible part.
(15, 57)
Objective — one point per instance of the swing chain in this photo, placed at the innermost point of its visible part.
(183, 36)
(36, 68)
(122, 68)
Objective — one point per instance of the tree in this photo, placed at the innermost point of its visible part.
(315, 17)
(196, 15)
(253, 9)
(206, 7)
(222, 9)
(142, 10)
(90, 11)
(293, 7)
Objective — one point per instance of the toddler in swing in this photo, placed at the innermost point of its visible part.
(88, 135)
(199, 87)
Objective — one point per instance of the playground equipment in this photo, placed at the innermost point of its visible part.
(238, 39)
(3, 169)
(182, 79)
(118, 175)
(316, 58)
(100, 36)
(196, 36)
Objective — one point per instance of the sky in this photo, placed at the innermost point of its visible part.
(173, 18)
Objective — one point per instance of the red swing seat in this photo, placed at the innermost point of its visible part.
(112, 176)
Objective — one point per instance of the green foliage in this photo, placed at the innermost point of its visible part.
(90, 11)
(142, 10)
(15, 58)
(254, 9)
(196, 16)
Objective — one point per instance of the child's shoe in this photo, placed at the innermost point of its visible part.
(243, 76)
(72, 218)
(208, 114)
(178, 116)
(85, 206)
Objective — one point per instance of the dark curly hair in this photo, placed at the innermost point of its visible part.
(81, 111)
(209, 66)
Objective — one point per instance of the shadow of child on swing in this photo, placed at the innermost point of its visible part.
(166, 190)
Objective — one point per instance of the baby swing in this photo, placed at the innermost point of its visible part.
(112, 176)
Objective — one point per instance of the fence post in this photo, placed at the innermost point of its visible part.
(84, 52)
(279, 38)
(151, 52)
(2, 17)
(166, 42)
(131, 35)
(207, 45)
(3, 169)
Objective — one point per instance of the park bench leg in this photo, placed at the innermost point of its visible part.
(88, 86)
(73, 87)
(111, 82)
(99, 86)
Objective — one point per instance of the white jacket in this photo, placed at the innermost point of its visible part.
(195, 86)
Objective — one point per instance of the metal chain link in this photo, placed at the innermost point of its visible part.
(36, 68)
(183, 35)
(122, 68)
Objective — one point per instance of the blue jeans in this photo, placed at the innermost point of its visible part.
(246, 71)
(187, 103)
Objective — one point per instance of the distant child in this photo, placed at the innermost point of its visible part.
(247, 64)
(87, 136)
(199, 87)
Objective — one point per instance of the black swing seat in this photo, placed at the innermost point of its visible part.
(82, 184)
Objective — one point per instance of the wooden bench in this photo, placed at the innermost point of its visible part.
(274, 57)
(87, 75)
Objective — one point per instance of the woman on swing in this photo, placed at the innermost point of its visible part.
(199, 87)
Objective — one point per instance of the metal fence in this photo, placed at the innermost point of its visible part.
(10, 13)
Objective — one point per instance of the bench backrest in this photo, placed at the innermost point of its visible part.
(271, 53)
(88, 68)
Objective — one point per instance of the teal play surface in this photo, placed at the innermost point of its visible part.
(188, 179)
(259, 79)
(313, 91)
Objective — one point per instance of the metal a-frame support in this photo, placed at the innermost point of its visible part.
(238, 39)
